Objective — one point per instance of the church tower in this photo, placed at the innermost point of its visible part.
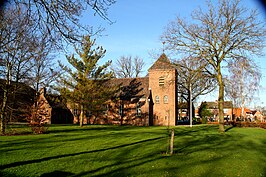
(163, 85)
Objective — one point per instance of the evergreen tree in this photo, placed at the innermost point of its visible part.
(84, 83)
(204, 112)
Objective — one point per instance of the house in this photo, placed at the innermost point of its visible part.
(228, 110)
(251, 115)
(237, 112)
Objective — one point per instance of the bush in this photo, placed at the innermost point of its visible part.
(39, 119)
(204, 120)
(38, 128)
(251, 124)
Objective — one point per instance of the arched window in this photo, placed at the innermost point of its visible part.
(157, 99)
(165, 99)
(138, 110)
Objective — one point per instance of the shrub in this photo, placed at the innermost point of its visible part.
(251, 124)
(39, 119)
(204, 120)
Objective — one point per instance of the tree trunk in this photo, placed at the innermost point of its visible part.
(81, 116)
(221, 102)
(190, 105)
(172, 141)
(3, 113)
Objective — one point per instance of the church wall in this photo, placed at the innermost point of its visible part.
(163, 86)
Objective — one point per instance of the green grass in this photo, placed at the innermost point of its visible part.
(134, 151)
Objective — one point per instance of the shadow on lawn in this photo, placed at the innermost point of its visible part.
(77, 128)
(57, 174)
(121, 167)
(74, 154)
(205, 139)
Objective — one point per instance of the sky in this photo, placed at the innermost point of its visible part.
(138, 25)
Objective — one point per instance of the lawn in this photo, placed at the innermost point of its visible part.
(134, 151)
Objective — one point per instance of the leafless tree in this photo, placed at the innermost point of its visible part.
(43, 69)
(61, 18)
(193, 80)
(15, 52)
(242, 82)
(23, 22)
(226, 32)
(126, 67)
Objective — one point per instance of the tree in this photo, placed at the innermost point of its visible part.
(15, 51)
(84, 81)
(192, 80)
(23, 21)
(126, 67)
(226, 32)
(242, 82)
(204, 112)
(43, 70)
(61, 18)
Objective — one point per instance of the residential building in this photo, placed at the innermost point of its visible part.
(228, 110)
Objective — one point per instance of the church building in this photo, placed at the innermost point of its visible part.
(150, 100)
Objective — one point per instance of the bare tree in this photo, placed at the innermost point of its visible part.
(15, 52)
(22, 22)
(43, 69)
(226, 32)
(126, 67)
(61, 18)
(192, 72)
(242, 82)
(193, 80)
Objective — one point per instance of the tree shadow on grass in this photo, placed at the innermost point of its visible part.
(14, 164)
(229, 128)
(205, 140)
(57, 174)
(76, 128)
(119, 168)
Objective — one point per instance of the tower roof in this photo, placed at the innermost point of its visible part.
(162, 63)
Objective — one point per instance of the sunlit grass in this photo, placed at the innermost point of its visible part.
(134, 151)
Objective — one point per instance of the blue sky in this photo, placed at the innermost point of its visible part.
(140, 23)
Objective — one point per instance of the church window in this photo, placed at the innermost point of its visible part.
(165, 99)
(157, 99)
(138, 110)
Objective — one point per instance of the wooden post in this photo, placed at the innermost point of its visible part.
(172, 141)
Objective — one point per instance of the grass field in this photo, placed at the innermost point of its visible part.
(134, 151)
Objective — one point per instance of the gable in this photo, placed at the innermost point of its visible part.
(162, 63)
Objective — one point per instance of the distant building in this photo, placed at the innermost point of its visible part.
(251, 115)
(228, 110)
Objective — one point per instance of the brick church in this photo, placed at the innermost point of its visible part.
(150, 100)
(154, 102)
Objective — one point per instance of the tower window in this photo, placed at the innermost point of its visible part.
(157, 99)
(165, 99)
(161, 81)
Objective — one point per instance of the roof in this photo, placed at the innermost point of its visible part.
(142, 82)
(162, 63)
(214, 105)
